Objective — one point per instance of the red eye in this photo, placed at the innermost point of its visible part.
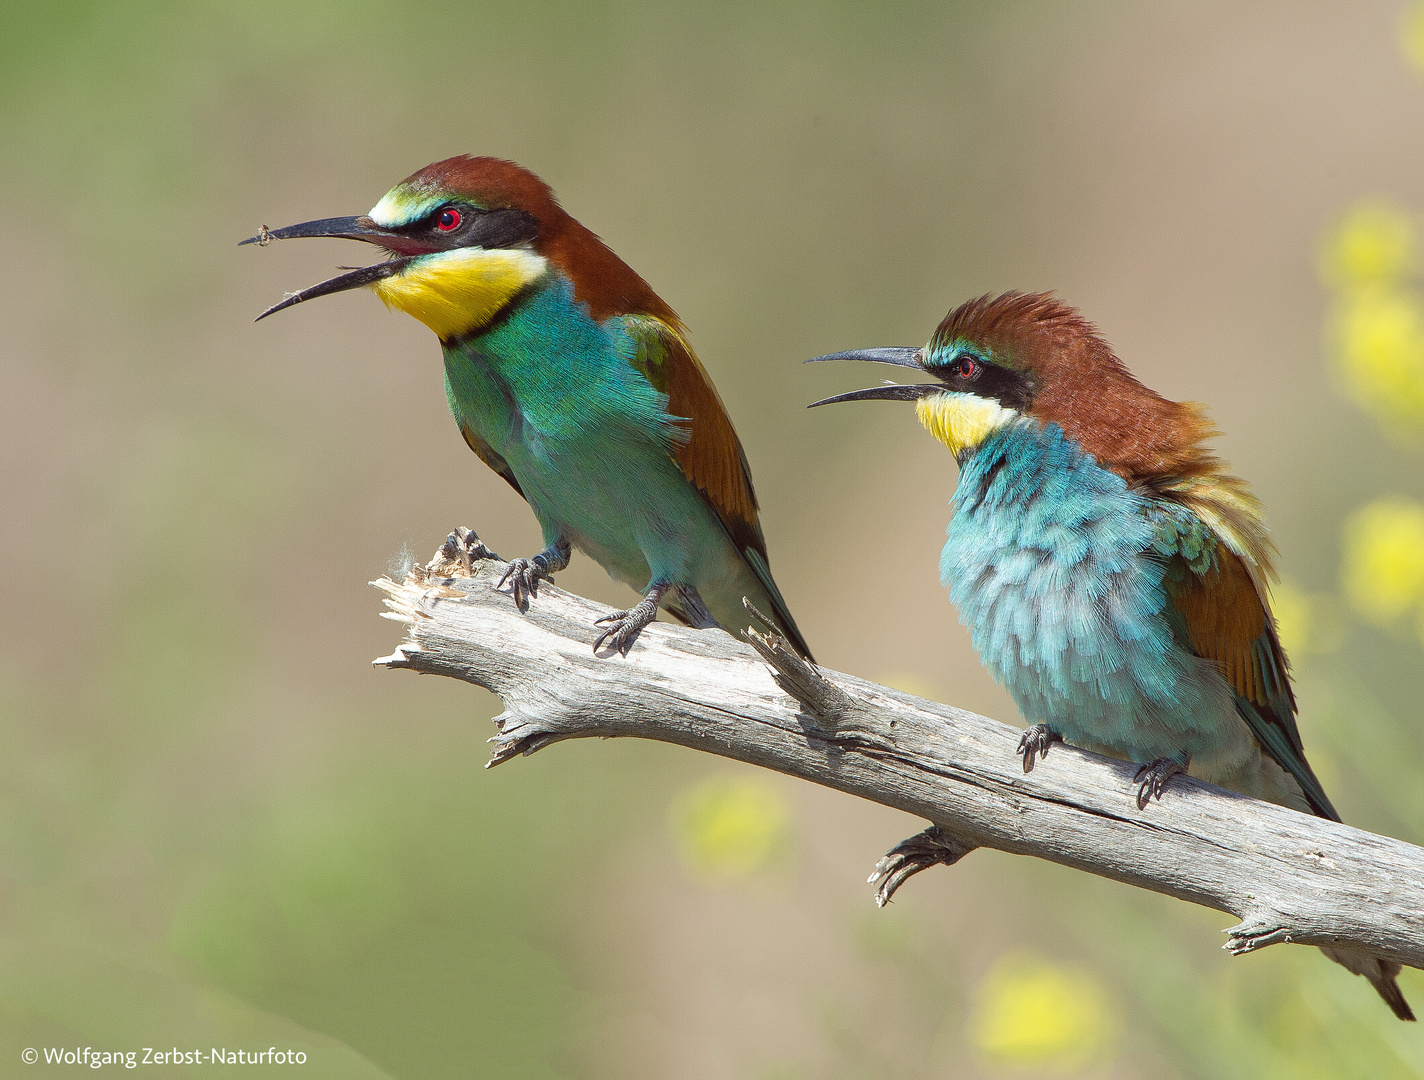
(448, 220)
(966, 367)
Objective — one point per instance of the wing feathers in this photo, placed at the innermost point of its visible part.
(1228, 621)
(712, 456)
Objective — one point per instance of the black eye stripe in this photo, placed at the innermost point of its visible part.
(1011, 389)
(502, 228)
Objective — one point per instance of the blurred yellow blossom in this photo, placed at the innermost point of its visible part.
(728, 827)
(1293, 617)
(1033, 1013)
(1382, 567)
(1379, 339)
(1306, 622)
(1411, 35)
(1373, 245)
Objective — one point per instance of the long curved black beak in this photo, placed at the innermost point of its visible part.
(900, 357)
(897, 355)
(364, 275)
(344, 228)
(888, 392)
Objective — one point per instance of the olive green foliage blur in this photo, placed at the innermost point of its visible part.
(219, 827)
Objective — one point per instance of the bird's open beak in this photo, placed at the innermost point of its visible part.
(402, 247)
(344, 228)
(900, 357)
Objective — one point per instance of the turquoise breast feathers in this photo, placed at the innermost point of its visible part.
(1058, 569)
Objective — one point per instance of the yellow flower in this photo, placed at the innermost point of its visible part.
(1382, 567)
(729, 827)
(1033, 1013)
(1411, 35)
(1373, 245)
(1379, 336)
(1306, 622)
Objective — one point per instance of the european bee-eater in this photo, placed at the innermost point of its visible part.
(1112, 574)
(575, 382)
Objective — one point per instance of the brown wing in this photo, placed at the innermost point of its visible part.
(1227, 621)
(712, 456)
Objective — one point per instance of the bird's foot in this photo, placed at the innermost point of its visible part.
(1153, 778)
(524, 575)
(1036, 740)
(933, 847)
(625, 626)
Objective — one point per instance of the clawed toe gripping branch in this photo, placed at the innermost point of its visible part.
(1036, 740)
(932, 847)
(1286, 876)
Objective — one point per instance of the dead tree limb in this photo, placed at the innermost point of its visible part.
(1287, 876)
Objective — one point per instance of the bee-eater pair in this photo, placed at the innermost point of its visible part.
(1112, 574)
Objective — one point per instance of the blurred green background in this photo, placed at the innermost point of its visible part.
(219, 826)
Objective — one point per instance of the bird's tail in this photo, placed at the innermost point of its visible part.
(785, 624)
(724, 602)
(1382, 975)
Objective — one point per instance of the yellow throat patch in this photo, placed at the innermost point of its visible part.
(961, 421)
(459, 291)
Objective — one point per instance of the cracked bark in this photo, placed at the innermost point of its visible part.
(1286, 876)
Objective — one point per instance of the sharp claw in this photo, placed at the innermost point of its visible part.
(1036, 739)
(1153, 779)
(625, 626)
(1027, 750)
(617, 635)
(522, 576)
(614, 634)
(618, 632)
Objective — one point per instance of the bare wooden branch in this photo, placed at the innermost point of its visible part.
(1287, 876)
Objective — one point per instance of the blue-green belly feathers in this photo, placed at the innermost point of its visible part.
(1056, 568)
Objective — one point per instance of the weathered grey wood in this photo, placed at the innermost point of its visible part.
(1286, 876)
